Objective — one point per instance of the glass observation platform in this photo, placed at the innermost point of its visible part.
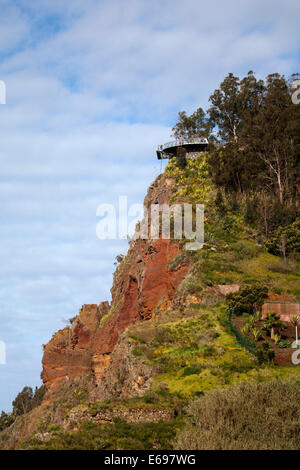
(192, 145)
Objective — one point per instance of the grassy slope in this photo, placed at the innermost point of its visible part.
(193, 360)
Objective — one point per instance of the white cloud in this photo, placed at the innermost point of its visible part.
(14, 27)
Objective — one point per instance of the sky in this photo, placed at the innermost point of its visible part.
(92, 87)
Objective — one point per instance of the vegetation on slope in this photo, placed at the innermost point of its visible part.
(117, 435)
(24, 402)
(247, 416)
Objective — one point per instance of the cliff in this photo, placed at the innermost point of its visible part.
(120, 376)
(143, 282)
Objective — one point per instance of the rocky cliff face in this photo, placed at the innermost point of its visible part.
(143, 283)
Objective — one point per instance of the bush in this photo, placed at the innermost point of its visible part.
(119, 258)
(245, 250)
(207, 351)
(266, 345)
(284, 343)
(191, 370)
(272, 320)
(250, 212)
(116, 435)
(245, 416)
(270, 355)
(248, 299)
(279, 268)
(286, 240)
(265, 355)
(26, 400)
(276, 338)
(256, 333)
(181, 161)
(219, 203)
(246, 329)
(243, 341)
(5, 420)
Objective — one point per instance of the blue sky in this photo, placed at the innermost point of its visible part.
(92, 87)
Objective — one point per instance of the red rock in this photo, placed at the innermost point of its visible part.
(142, 282)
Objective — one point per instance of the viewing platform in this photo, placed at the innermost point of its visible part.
(192, 146)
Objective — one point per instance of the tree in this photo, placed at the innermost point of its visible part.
(233, 103)
(38, 396)
(5, 420)
(256, 156)
(259, 145)
(196, 125)
(286, 240)
(219, 202)
(272, 321)
(251, 97)
(26, 400)
(227, 166)
(181, 161)
(247, 300)
(225, 109)
(268, 134)
(23, 401)
(119, 258)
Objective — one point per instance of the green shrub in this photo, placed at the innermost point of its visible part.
(248, 299)
(266, 345)
(181, 160)
(282, 268)
(273, 320)
(246, 329)
(284, 343)
(207, 351)
(270, 355)
(265, 355)
(251, 321)
(258, 315)
(137, 351)
(289, 236)
(117, 435)
(245, 250)
(276, 338)
(243, 341)
(54, 428)
(245, 416)
(191, 370)
(26, 400)
(256, 333)
(5, 420)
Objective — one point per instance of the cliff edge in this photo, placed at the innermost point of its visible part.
(143, 282)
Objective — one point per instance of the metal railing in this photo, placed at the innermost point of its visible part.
(242, 340)
(175, 143)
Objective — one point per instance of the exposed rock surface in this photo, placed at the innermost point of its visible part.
(127, 376)
(143, 284)
(223, 290)
(69, 352)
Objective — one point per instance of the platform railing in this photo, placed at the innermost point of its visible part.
(175, 143)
